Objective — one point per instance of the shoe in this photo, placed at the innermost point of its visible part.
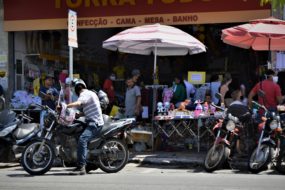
(80, 170)
(77, 168)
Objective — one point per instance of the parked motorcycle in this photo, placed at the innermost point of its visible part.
(15, 134)
(227, 142)
(108, 151)
(269, 149)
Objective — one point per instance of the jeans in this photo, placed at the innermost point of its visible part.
(91, 131)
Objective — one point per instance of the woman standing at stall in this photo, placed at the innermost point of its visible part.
(224, 90)
(179, 90)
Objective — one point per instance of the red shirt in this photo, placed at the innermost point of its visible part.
(109, 89)
(272, 91)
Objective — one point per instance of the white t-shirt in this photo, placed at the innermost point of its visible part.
(91, 106)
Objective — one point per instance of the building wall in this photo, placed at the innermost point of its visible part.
(3, 50)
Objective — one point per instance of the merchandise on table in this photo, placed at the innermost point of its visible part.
(21, 100)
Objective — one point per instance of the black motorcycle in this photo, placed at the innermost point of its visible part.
(108, 151)
(228, 142)
(270, 147)
(16, 131)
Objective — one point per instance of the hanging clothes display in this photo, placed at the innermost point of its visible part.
(280, 60)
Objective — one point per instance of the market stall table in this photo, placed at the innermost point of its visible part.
(185, 125)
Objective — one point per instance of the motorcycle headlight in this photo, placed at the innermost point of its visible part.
(273, 124)
(230, 125)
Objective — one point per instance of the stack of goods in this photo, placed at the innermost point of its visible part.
(22, 100)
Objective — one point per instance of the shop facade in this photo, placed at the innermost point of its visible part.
(38, 36)
(3, 52)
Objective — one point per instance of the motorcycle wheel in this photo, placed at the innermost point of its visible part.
(35, 161)
(258, 163)
(280, 165)
(216, 157)
(114, 156)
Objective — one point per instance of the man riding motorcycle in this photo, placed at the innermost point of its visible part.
(89, 101)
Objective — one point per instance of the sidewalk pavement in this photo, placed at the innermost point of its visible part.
(192, 158)
(9, 165)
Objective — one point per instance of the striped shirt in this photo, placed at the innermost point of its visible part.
(91, 106)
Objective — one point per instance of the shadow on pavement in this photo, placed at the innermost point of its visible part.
(52, 172)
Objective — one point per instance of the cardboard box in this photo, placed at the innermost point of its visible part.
(140, 135)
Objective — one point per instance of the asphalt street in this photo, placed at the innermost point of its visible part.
(136, 177)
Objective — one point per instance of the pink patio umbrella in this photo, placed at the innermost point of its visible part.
(260, 34)
(161, 40)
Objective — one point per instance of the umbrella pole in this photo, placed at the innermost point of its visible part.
(269, 54)
(154, 92)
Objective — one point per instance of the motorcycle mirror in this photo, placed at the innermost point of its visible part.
(261, 93)
(218, 96)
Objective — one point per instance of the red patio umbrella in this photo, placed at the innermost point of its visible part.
(260, 34)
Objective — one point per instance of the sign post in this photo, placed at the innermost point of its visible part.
(72, 41)
(72, 38)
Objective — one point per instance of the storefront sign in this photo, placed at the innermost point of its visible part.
(51, 14)
(195, 77)
(72, 29)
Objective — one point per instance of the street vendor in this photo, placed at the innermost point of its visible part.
(179, 90)
(48, 93)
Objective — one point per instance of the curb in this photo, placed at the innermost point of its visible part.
(169, 159)
(8, 165)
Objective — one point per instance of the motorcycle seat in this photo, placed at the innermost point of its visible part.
(107, 126)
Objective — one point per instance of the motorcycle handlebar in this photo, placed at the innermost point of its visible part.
(233, 118)
(221, 108)
(44, 107)
(260, 106)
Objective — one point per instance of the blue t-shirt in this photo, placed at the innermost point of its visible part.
(50, 103)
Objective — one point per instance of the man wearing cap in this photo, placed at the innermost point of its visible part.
(49, 96)
(48, 93)
(132, 99)
(90, 104)
(271, 89)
